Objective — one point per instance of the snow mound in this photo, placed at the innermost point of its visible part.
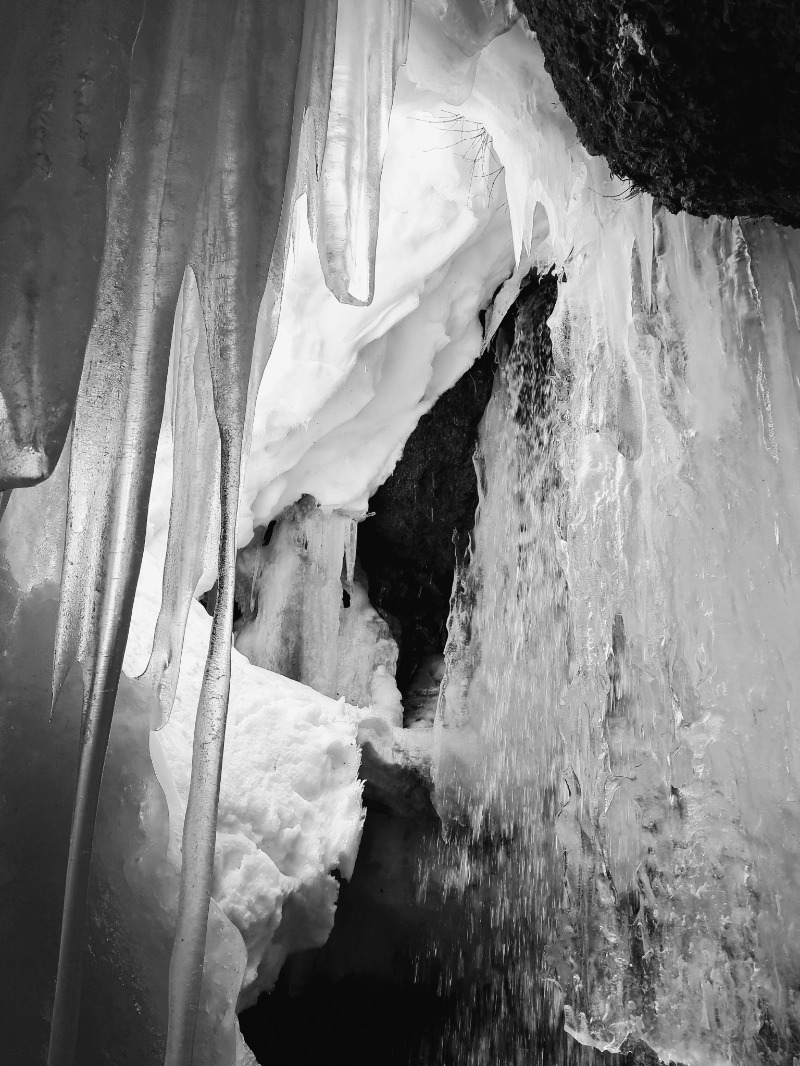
(290, 799)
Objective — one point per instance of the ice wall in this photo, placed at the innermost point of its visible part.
(689, 689)
(307, 616)
(623, 668)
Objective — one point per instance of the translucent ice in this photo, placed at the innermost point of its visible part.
(371, 42)
(64, 83)
(661, 746)
(200, 181)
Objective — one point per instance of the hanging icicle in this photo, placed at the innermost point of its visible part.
(211, 193)
(64, 75)
(371, 44)
(231, 256)
(194, 516)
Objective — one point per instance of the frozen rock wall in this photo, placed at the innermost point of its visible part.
(622, 672)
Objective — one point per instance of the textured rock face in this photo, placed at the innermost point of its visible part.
(695, 101)
(422, 516)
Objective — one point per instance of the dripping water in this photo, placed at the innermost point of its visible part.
(498, 761)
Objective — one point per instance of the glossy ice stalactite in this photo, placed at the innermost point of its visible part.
(316, 76)
(186, 188)
(194, 513)
(371, 44)
(248, 204)
(118, 415)
(64, 88)
(194, 432)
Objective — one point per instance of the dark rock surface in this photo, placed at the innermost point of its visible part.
(425, 511)
(423, 515)
(695, 101)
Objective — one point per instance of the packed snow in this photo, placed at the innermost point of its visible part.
(290, 799)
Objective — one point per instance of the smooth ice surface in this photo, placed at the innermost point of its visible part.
(204, 163)
(371, 42)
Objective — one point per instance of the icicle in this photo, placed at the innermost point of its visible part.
(189, 511)
(65, 73)
(152, 199)
(371, 43)
(246, 227)
(326, 535)
(298, 585)
(350, 544)
(194, 520)
(317, 72)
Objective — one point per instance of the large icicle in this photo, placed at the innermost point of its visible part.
(64, 72)
(194, 432)
(194, 520)
(169, 150)
(371, 43)
(118, 415)
(250, 197)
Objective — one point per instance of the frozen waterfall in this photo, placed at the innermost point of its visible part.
(244, 249)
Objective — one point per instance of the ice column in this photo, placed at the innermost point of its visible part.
(64, 86)
(371, 42)
(205, 155)
(295, 587)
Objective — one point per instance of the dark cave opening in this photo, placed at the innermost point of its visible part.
(421, 519)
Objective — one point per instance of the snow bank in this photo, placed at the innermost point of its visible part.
(290, 800)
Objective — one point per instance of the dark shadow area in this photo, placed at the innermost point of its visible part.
(373, 994)
(422, 516)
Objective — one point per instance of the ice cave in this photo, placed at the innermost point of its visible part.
(399, 532)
